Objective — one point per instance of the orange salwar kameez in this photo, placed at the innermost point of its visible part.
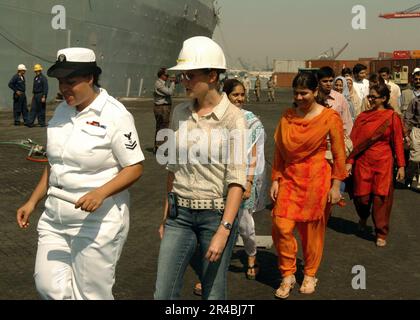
(304, 177)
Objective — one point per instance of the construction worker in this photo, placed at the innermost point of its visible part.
(39, 99)
(257, 88)
(270, 87)
(18, 85)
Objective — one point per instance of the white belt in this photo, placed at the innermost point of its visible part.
(201, 204)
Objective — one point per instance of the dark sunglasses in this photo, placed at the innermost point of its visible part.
(371, 97)
(189, 76)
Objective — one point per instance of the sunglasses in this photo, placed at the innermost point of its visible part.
(371, 97)
(189, 76)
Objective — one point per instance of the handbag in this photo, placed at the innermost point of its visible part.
(348, 145)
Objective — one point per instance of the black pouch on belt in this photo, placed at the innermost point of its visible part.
(172, 205)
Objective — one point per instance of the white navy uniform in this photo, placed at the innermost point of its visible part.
(78, 250)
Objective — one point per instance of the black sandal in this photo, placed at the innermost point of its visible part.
(198, 290)
(256, 268)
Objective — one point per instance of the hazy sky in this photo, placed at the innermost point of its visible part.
(304, 29)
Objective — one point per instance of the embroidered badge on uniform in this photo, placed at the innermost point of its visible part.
(95, 124)
(131, 145)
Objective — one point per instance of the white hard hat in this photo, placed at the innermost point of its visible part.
(21, 67)
(415, 71)
(200, 53)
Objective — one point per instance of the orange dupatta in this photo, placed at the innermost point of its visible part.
(298, 138)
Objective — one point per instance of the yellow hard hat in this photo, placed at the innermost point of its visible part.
(37, 67)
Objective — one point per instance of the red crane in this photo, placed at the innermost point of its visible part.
(409, 13)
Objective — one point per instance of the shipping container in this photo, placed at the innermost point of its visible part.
(415, 54)
(401, 54)
(288, 66)
(385, 55)
(284, 79)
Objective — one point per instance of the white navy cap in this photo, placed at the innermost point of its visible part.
(415, 71)
(74, 62)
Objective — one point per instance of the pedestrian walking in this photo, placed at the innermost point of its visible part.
(304, 183)
(253, 197)
(257, 88)
(94, 156)
(377, 137)
(271, 89)
(203, 197)
(164, 89)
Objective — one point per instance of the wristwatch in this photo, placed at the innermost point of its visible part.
(226, 225)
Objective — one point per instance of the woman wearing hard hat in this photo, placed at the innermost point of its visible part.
(254, 199)
(203, 198)
(94, 156)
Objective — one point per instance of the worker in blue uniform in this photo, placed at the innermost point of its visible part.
(17, 84)
(39, 99)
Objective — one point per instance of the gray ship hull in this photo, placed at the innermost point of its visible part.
(132, 38)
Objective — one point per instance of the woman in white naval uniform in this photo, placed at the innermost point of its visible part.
(94, 156)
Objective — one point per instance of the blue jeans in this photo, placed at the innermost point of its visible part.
(181, 236)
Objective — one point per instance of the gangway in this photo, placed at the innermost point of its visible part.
(408, 13)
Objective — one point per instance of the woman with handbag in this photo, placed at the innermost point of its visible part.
(304, 183)
(377, 137)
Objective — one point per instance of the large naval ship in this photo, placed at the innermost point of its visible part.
(132, 38)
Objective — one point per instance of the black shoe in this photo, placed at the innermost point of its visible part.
(29, 125)
(17, 123)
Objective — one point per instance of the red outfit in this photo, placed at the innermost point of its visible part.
(373, 167)
(377, 135)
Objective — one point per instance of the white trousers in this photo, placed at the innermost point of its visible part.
(78, 251)
(247, 231)
(415, 145)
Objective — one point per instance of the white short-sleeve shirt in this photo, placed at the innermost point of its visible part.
(87, 149)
